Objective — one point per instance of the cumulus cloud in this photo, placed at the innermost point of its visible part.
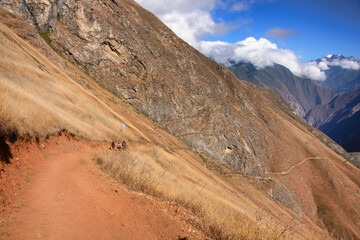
(193, 25)
(351, 64)
(261, 53)
(192, 20)
(279, 33)
(189, 19)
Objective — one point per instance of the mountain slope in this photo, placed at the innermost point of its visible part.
(302, 94)
(341, 79)
(158, 152)
(339, 119)
(239, 124)
(352, 85)
(65, 105)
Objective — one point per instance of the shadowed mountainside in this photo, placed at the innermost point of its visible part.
(342, 80)
(340, 120)
(302, 94)
(135, 56)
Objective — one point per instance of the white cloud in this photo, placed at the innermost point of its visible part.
(323, 66)
(193, 25)
(261, 53)
(191, 20)
(344, 63)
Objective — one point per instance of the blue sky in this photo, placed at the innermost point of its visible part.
(264, 32)
(320, 27)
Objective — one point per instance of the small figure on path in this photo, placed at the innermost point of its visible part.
(124, 145)
(118, 146)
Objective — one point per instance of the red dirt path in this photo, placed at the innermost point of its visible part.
(68, 198)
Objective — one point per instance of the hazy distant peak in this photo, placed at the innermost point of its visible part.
(350, 63)
(331, 57)
(335, 56)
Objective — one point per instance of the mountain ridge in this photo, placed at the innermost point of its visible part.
(342, 74)
(311, 100)
(199, 101)
(302, 94)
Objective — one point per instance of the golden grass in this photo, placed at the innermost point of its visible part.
(151, 170)
(37, 99)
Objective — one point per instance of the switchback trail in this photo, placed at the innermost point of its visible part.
(291, 168)
(68, 198)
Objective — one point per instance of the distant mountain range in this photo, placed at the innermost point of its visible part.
(343, 74)
(302, 94)
(332, 105)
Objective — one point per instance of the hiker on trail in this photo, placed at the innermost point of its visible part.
(113, 145)
(124, 144)
(118, 146)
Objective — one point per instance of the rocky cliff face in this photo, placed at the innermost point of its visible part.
(135, 56)
(302, 94)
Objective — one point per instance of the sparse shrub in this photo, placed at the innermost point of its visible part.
(45, 35)
(203, 158)
(99, 160)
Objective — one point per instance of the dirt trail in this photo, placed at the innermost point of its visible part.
(296, 165)
(68, 198)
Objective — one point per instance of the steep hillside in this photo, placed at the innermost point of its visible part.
(251, 129)
(64, 105)
(302, 94)
(340, 120)
(46, 167)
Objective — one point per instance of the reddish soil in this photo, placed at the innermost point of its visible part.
(59, 193)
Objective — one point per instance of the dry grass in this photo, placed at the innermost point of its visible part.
(151, 170)
(37, 99)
